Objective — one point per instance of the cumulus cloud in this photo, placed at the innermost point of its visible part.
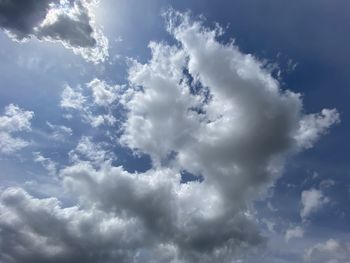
(314, 125)
(296, 232)
(73, 99)
(71, 23)
(199, 106)
(103, 93)
(175, 214)
(312, 200)
(13, 121)
(40, 230)
(205, 102)
(331, 251)
(90, 151)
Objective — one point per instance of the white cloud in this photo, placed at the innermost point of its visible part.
(13, 121)
(173, 214)
(296, 232)
(74, 99)
(312, 200)
(88, 150)
(314, 125)
(43, 231)
(332, 251)
(70, 23)
(103, 94)
(199, 106)
(230, 130)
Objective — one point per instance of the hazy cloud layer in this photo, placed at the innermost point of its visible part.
(296, 232)
(331, 251)
(199, 106)
(71, 23)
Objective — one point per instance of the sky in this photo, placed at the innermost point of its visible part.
(174, 131)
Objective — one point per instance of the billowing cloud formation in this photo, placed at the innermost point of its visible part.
(68, 22)
(199, 107)
(332, 251)
(34, 230)
(14, 120)
(92, 152)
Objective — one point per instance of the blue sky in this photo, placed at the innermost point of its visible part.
(174, 131)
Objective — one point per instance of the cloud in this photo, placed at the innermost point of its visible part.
(20, 17)
(332, 251)
(13, 121)
(312, 200)
(314, 125)
(103, 96)
(174, 214)
(90, 151)
(59, 132)
(198, 106)
(296, 232)
(205, 102)
(47, 163)
(327, 183)
(72, 98)
(40, 230)
(103, 93)
(70, 23)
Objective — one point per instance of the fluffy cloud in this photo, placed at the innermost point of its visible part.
(198, 106)
(312, 200)
(73, 99)
(332, 251)
(176, 214)
(40, 230)
(103, 94)
(13, 121)
(90, 151)
(217, 110)
(314, 125)
(69, 22)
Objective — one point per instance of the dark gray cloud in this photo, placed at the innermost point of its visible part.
(40, 230)
(75, 29)
(21, 17)
(68, 22)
